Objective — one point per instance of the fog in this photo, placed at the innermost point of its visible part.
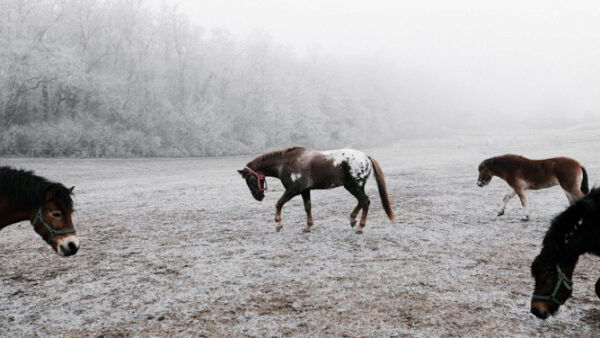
(106, 78)
(512, 59)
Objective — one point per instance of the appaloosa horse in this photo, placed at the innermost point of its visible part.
(574, 232)
(47, 205)
(521, 174)
(301, 169)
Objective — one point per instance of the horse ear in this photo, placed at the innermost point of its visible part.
(71, 189)
(241, 172)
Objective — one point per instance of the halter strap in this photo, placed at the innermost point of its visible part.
(562, 280)
(52, 232)
(260, 179)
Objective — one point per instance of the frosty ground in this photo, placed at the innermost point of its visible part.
(179, 247)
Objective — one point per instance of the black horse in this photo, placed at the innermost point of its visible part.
(573, 232)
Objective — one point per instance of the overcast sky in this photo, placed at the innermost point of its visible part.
(501, 57)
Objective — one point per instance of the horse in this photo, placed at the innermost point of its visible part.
(522, 173)
(47, 205)
(572, 233)
(301, 169)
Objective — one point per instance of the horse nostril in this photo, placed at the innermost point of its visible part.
(73, 248)
(539, 314)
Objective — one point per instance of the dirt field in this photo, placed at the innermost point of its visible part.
(178, 247)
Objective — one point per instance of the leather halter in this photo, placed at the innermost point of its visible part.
(52, 232)
(261, 181)
(562, 280)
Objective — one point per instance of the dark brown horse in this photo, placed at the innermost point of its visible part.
(301, 169)
(574, 232)
(522, 174)
(47, 205)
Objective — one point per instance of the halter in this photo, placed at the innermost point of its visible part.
(562, 280)
(260, 178)
(52, 231)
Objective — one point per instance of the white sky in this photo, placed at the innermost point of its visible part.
(503, 57)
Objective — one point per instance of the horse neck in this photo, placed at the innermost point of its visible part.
(568, 256)
(268, 167)
(498, 169)
(12, 212)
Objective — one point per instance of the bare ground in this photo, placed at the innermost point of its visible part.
(178, 247)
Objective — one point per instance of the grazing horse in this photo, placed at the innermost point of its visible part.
(47, 205)
(301, 169)
(573, 232)
(521, 174)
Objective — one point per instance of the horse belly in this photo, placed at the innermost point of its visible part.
(543, 184)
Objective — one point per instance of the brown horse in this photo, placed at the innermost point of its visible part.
(572, 233)
(301, 169)
(47, 205)
(522, 174)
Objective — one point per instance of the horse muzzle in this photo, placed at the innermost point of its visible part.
(541, 314)
(480, 184)
(67, 246)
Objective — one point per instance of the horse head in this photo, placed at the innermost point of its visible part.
(256, 182)
(53, 221)
(485, 173)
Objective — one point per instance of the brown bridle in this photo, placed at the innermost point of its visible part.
(260, 178)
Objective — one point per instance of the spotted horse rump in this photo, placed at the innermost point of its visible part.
(301, 169)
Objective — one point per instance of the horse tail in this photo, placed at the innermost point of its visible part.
(584, 182)
(385, 199)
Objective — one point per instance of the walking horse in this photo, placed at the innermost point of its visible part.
(521, 174)
(301, 169)
(47, 205)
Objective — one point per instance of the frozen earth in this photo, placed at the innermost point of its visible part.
(179, 247)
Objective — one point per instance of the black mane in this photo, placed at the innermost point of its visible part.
(584, 213)
(30, 190)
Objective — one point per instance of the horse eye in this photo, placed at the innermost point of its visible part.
(56, 214)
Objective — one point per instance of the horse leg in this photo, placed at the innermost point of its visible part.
(505, 200)
(307, 207)
(573, 194)
(363, 203)
(287, 195)
(523, 199)
(570, 197)
(353, 215)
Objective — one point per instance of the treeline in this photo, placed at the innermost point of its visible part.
(118, 78)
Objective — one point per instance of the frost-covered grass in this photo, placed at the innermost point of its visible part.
(179, 247)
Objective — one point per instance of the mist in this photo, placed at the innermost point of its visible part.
(118, 78)
(526, 61)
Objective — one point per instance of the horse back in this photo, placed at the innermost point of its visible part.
(311, 168)
(539, 174)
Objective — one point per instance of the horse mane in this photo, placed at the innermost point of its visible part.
(565, 224)
(30, 189)
(504, 161)
(274, 154)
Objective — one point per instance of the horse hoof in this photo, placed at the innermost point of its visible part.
(359, 232)
(525, 219)
(306, 230)
(500, 213)
(278, 227)
(352, 223)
